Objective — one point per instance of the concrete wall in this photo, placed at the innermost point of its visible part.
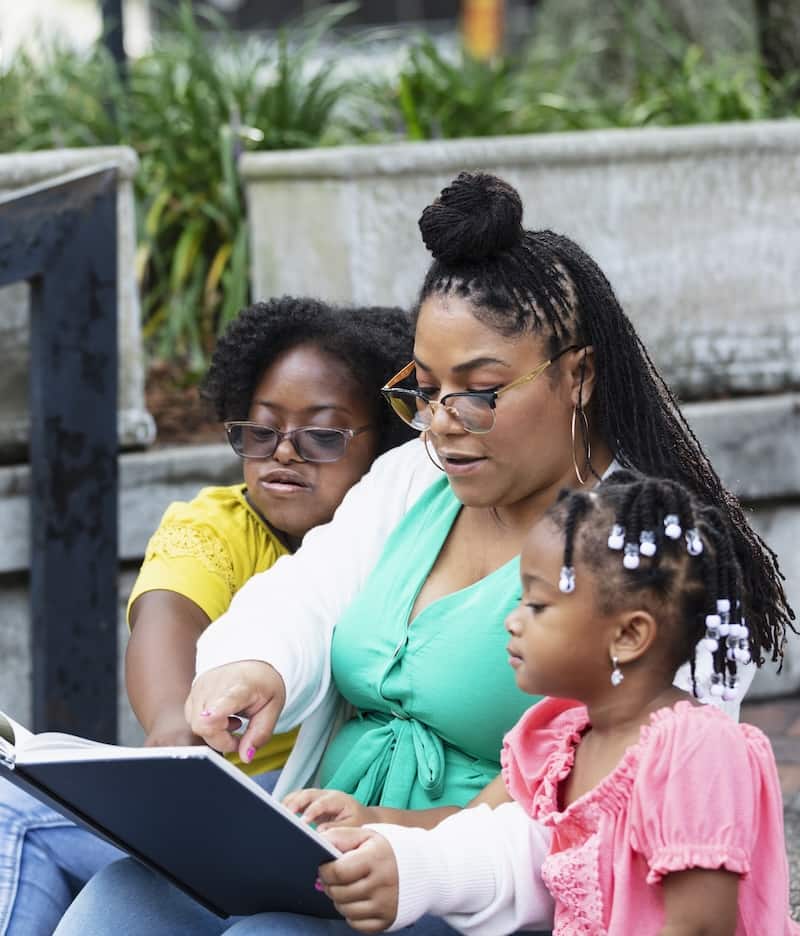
(696, 227)
(20, 171)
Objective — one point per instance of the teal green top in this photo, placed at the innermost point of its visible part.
(433, 698)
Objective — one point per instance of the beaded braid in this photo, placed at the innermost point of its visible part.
(577, 507)
(699, 569)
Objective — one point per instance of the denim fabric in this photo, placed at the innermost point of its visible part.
(127, 899)
(44, 861)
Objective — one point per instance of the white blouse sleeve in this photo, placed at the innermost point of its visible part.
(285, 616)
(479, 869)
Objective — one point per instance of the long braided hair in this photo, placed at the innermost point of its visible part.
(543, 283)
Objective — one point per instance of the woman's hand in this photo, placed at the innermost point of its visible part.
(250, 688)
(329, 808)
(363, 884)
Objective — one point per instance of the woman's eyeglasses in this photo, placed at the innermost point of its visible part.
(474, 409)
(312, 443)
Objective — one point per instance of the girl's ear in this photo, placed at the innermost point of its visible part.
(583, 376)
(634, 634)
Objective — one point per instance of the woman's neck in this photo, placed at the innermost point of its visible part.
(521, 515)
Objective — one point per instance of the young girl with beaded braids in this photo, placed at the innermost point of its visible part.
(663, 816)
(526, 378)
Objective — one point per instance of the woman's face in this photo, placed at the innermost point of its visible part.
(307, 387)
(529, 449)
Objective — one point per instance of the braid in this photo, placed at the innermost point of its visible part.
(540, 282)
(699, 591)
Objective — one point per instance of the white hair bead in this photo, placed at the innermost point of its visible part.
(672, 526)
(713, 621)
(616, 538)
(723, 605)
(566, 580)
(631, 558)
(694, 545)
(647, 543)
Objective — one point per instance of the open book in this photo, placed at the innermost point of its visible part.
(185, 812)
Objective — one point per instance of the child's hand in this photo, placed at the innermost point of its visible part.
(364, 883)
(329, 808)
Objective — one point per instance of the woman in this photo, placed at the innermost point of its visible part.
(527, 378)
(282, 364)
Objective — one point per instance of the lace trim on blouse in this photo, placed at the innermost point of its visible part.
(188, 542)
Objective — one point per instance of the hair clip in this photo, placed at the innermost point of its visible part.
(647, 543)
(631, 558)
(566, 580)
(672, 526)
(694, 545)
(616, 538)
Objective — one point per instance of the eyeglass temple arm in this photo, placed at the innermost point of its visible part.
(401, 375)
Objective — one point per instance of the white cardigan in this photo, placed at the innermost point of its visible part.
(479, 869)
(286, 615)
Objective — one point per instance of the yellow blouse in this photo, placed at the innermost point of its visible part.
(206, 550)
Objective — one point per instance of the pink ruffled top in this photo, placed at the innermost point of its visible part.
(698, 790)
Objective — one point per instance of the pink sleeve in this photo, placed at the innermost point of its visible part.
(703, 784)
(538, 751)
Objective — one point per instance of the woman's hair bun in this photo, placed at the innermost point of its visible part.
(477, 216)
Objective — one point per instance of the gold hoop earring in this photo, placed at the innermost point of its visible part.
(428, 451)
(586, 443)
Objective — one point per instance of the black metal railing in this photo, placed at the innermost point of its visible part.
(62, 238)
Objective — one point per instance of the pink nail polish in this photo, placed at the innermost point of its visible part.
(318, 885)
(251, 753)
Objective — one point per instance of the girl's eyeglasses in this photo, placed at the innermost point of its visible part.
(474, 409)
(312, 443)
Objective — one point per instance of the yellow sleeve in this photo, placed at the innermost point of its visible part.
(207, 549)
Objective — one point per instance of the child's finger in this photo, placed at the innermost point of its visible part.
(298, 800)
(328, 805)
(346, 840)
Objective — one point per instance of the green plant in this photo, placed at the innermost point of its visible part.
(441, 96)
(196, 106)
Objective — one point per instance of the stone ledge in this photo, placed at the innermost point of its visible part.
(23, 169)
(149, 481)
(754, 443)
(561, 149)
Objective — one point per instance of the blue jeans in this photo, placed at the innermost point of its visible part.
(127, 899)
(44, 861)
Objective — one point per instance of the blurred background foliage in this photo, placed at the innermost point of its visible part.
(203, 95)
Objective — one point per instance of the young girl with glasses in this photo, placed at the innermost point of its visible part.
(527, 378)
(297, 382)
(638, 809)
